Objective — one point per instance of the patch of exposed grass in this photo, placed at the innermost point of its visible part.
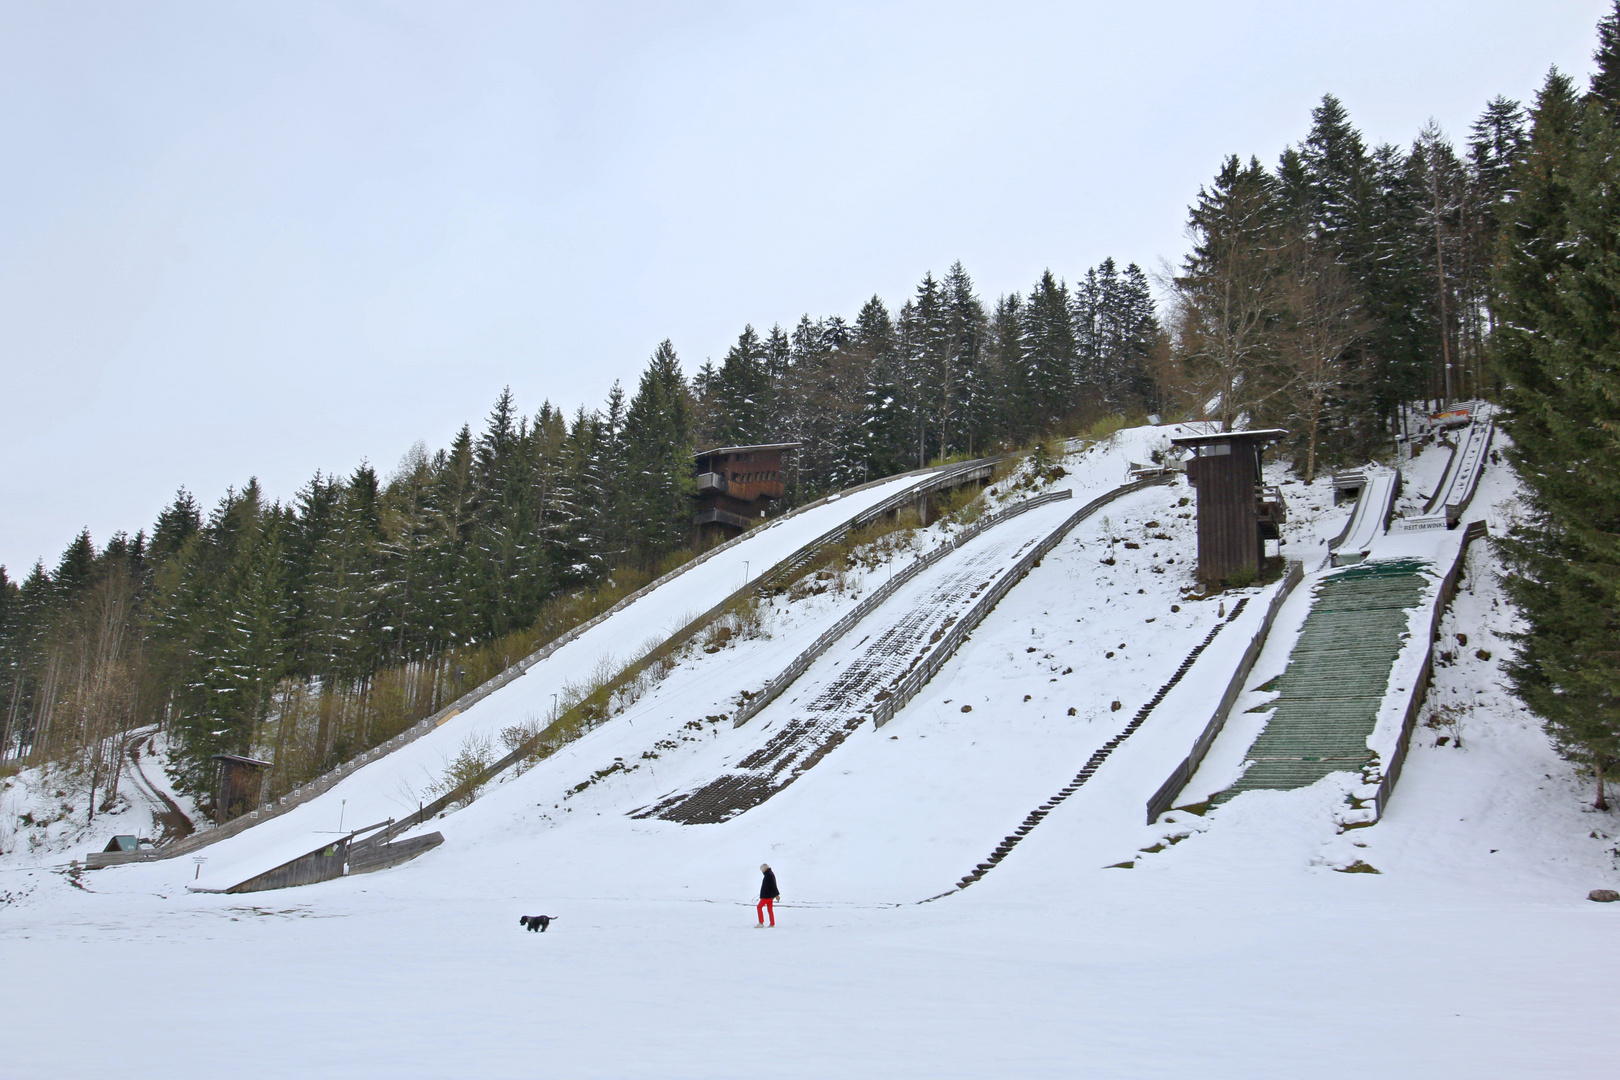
(1358, 867)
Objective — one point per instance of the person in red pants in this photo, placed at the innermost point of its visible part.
(768, 894)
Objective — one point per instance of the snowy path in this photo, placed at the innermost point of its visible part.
(157, 792)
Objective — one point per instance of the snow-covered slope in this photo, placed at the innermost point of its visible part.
(399, 782)
(1237, 951)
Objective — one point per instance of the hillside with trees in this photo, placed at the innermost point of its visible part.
(1331, 293)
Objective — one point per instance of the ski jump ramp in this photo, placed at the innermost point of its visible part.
(1457, 488)
(1342, 691)
(392, 781)
(1370, 518)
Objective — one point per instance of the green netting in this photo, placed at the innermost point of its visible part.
(1330, 694)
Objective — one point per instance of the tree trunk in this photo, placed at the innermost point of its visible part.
(1440, 263)
(1310, 453)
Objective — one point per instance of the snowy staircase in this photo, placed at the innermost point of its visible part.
(1336, 678)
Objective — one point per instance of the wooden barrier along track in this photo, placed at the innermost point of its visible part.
(902, 656)
(1390, 767)
(774, 688)
(958, 633)
(1164, 798)
(960, 473)
(1095, 762)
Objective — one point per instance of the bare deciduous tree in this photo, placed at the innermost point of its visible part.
(1323, 322)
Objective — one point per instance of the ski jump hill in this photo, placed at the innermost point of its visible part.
(1036, 806)
(766, 732)
(378, 789)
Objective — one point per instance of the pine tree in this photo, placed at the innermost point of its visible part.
(1335, 162)
(1496, 144)
(739, 394)
(925, 375)
(13, 656)
(1014, 418)
(1399, 298)
(965, 403)
(577, 544)
(75, 569)
(25, 653)
(1559, 283)
(228, 622)
(1229, 295)
(1606, 80)
(658, 459)
(883, 423)
(1048, 353)
(1116, 330)
(410, 583)
(1445, 186)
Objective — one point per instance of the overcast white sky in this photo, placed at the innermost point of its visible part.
(262, 239)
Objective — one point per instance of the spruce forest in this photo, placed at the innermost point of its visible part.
(1330, 293)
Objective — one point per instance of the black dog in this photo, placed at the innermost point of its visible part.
(536, 922)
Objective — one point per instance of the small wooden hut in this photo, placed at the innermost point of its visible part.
(238, 785)
(736, 485)
(1237, 514)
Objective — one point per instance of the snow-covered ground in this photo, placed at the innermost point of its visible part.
(1238, 951)
(43, 811)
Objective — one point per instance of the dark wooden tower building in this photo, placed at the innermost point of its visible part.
(1236, 513)
(736, 484)
(238, 785)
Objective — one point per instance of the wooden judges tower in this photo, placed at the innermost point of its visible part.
(238, 785)
(735, 486)
(1236, 513)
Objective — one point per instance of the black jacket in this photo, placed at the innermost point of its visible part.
(767, 888)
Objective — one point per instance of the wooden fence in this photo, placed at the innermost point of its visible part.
(1166, 795)
(919, 676)
(776, 686)
(1420, 686)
